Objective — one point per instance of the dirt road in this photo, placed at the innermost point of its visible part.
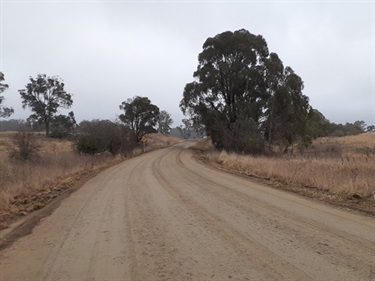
(164, 216)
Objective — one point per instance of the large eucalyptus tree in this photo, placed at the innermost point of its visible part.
(240, 91)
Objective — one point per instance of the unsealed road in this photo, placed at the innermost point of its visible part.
(164, 216)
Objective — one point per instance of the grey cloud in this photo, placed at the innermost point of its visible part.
(109, 51)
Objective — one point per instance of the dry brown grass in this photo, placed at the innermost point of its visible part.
(57, 167)
(348, 142)
(343, 166)
(24, 184)
(156, 141)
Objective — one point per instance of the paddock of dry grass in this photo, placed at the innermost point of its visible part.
(58, 166)
(343, 166)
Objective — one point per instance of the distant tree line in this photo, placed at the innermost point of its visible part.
(319, 126)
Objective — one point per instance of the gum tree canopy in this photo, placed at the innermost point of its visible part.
(244, 96)
(140, 116)
(44, 95)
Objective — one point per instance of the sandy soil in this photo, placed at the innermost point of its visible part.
(165, 216)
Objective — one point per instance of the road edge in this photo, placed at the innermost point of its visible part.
(334, 200)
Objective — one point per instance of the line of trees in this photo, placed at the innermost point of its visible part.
(242, 96)
(45, 96)
(140, 117)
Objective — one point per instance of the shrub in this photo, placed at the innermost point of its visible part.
(25, 146)
(98, 136)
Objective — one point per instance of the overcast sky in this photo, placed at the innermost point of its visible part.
(108, 51)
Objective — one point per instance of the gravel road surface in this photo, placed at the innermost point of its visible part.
(165, 216)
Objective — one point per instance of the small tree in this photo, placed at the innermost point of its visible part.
(164, 122)
(140, 116)
(44, 96)
(4, 111)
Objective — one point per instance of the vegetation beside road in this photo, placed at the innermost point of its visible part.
(242, 96)
(339, 170)
(26, 186)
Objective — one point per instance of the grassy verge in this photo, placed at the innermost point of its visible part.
(340, 171)
(29, 186)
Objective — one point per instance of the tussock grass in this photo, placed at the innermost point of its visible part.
(344, 166)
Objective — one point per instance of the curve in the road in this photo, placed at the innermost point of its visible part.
(165, 216)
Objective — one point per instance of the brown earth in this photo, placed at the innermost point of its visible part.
(165, 216)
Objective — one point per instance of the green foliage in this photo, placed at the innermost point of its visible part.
(140, 116)
(340, 130)
(243, 95)
(317, 125)
(62, 125)
(164, 122)
(4, 111)
(44, 95)
(287, 111)
(98, 136)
